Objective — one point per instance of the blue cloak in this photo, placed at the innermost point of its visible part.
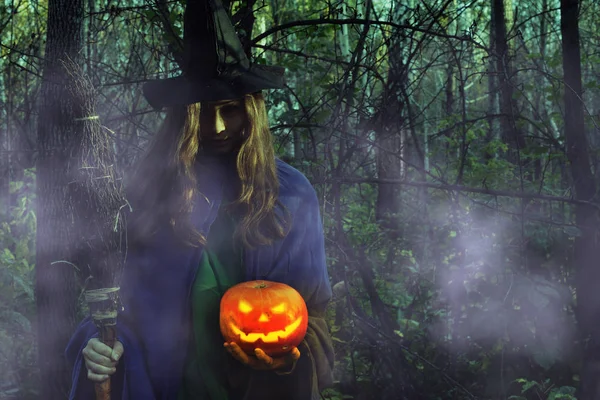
(155, 326)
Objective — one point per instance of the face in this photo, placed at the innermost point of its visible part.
(222, 125)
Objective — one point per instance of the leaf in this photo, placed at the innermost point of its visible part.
(7, 257)
(412, 268)
(564, 392)
(25, 286)
(410, 323)
(526, 385)
(16, 186)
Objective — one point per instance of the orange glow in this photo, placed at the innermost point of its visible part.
(271, 337)
(245, 307)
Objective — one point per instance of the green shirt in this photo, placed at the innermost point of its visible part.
(220, 268)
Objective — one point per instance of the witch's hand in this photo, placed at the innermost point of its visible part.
(262, 361)
(100, 360)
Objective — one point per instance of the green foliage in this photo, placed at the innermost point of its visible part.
(17, 304)
(543, 390)
(332, 394)
(467, 297)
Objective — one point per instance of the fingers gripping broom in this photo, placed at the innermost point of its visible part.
(97, 197)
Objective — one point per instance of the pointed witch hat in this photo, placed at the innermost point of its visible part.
(214, 65)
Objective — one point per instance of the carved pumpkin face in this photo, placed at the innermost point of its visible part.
(262, 314)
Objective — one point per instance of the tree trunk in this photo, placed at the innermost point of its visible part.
(391, 137)
(539, 84)
(586, 253)
(492, 88)
(56, 283)
(510, 134)
(5, 142)
(449, 103)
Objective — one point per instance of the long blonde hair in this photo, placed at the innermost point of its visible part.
(163, 187)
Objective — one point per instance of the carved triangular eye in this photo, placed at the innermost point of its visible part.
(279, 309)
(244, 307)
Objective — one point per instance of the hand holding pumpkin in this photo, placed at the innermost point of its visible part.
(261, 360)
(262, 323)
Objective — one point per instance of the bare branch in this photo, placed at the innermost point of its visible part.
(352, 21)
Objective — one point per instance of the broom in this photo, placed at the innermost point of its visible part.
(97, 198)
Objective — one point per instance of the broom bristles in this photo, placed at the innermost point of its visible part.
(96, 191)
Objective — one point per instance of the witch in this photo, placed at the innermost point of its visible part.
(212, 207)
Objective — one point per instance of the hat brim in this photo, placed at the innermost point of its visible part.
(183, 90)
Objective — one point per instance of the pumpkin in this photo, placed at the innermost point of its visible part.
(261, 314)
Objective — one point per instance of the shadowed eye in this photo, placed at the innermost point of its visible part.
(230, 108)
(245, 307)
(279, 309)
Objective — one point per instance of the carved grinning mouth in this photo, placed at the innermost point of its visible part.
(271, 337)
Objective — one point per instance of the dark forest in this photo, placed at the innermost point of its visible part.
(453, 144)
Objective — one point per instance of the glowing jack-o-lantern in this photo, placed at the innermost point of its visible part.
(267, 315)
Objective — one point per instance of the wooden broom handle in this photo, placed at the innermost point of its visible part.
(108, 335)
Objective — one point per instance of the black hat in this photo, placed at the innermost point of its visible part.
(214, 66)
